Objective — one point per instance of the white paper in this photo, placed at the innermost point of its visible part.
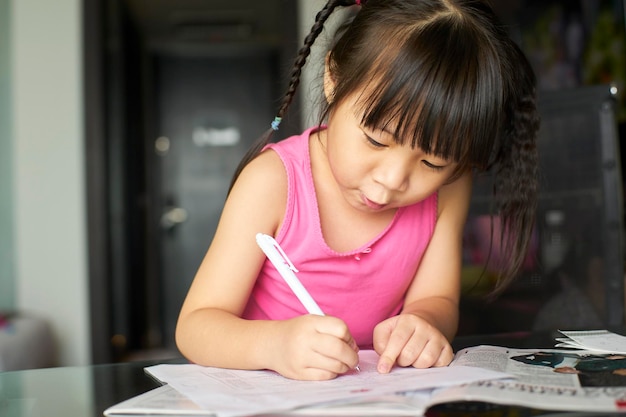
(231, 393)
(594, 340)
(160, 400)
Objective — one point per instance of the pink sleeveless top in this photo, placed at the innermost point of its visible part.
(363, 286)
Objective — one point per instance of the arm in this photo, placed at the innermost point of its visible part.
(421, 333)
(210, 330)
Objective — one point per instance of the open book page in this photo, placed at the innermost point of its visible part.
(414, 404)
(547, 379)
(165, 400)
(231, 393)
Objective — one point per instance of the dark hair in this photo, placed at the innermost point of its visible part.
(448, 76)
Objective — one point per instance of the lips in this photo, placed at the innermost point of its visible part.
(371, 204)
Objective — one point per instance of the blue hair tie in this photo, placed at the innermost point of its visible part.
(276, 123)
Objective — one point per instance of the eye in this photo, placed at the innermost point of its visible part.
(433, 166)
(374, 143)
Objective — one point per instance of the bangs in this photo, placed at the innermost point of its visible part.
(438, 92)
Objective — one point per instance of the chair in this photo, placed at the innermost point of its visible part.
(26, 342)
(574, 274)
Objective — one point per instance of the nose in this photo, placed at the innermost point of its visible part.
(393, 174)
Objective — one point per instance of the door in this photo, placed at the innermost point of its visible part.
(208, 112)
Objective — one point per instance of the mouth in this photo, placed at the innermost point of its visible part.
(372, 204)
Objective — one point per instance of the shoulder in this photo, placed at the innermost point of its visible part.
(453, 201)
(457, 192)
(263, 171)
(294, 147)
(261, 191)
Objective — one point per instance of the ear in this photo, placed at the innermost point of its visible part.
(329, 81)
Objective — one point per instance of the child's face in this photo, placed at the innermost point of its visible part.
(375, 173)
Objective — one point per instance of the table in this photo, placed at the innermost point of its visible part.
(86, 391)
(79, 391)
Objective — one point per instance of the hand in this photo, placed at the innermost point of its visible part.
(408, 339)
(315, 348)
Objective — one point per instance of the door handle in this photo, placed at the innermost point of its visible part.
(173, 216)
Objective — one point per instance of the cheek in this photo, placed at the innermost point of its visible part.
(347, 162)
(343, 169)
(422, 186)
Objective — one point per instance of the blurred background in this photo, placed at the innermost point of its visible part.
(121, 122)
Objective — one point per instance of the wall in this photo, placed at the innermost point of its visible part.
(7, 277)
(311, 80)
(48, 169)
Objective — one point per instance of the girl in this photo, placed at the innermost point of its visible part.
(370, 205)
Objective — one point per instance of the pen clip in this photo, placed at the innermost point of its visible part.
(287, 270)
(283, 254)
(272, 248)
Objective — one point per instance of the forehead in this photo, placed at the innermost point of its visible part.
(388, 133)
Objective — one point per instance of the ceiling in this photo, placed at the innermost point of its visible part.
(183, 23)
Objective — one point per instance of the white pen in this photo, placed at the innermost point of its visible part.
(287, 270)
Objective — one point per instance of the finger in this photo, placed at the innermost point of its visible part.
(335, 327)
(327, 366)
(339, 329)
(396, 343)
(344, 358)
(446, 356)
(434, 354)
(337, 349)
(382, 334)
(415, 351)
(353, 345)
(313, 374)
(427, 355)
(324, 368)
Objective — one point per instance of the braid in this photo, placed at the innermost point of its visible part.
(515, 187)
(304, 52)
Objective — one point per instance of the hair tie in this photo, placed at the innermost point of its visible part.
(357, 2)
(276, 122)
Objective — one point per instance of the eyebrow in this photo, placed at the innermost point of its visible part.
(385, 130)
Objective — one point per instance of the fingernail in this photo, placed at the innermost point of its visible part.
(354, 346)
(383, 367)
